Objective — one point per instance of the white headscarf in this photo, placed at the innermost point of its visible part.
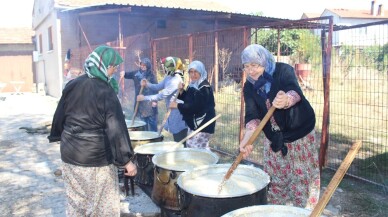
(200, 68)
(255, 53)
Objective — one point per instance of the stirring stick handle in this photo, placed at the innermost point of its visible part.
(199, 129)
(168, 113)
(335, 181)
(250, 141)
(164, 121)
(137, 106)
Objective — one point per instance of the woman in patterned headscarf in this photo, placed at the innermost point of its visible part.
(94, 140)
(167, 89)
(290, 149)
(197, 105)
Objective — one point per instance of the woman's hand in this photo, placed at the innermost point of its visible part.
(140, 97)
(281, 100)
(122, 74)
(246, 149)
(144, 83)
(130, 169)
(173, 105)
(181, 86)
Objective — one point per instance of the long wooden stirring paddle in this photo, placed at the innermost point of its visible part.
(168, 113)
(136, 106)
(341, 171)
(254, 136)
(164, 120)
(199, 129)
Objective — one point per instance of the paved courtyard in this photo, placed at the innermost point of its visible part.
(30, 179)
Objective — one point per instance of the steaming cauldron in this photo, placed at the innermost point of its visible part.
(136, 126)
(144, 137)
(168, 166)
(144, 154)
(269, 211)
(198, 190)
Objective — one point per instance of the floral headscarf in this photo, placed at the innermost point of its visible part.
(199, 67)
(173, 65)
(255, 53)
(99, 60)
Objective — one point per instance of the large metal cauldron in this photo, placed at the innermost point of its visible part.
(144, 137)
(144, 154)
(168, 167)
(198, 190)
(269, 211)
(136, 126)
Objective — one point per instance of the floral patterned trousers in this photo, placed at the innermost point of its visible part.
(199, 140)
(91, 191)
(295, 178)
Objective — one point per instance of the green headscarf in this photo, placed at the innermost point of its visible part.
(99, 60)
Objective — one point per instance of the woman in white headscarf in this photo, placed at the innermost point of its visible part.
(290, 148)
(197, 105)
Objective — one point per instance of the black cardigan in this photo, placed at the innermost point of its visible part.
(90, 124)
(198, 107)
(294, 122)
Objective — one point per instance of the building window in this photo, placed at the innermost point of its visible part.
(50, 38)
(40, 43)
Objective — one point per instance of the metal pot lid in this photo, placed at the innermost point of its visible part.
(143, 135)
(135, 123)
(157, 147)
(269, 211)
(184, 159)
(245, 180)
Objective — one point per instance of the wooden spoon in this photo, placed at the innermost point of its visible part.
(336, 179)
(254, 136)
(199, 129)
(137, 106)
(168, 112)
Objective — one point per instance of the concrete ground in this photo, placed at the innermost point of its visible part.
(30, 179)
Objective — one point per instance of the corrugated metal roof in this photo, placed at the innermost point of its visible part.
(350, 13)
(178, 4)
(16, 35)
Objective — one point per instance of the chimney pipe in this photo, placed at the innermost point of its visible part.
(380, 11)
(372, 8)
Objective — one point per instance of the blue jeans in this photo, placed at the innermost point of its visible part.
(151, 122)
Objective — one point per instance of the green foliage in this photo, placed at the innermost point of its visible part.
(375, 56)
(301, 44)
(288, 40)
(378, 56)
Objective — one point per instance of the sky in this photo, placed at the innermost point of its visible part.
(18, 13)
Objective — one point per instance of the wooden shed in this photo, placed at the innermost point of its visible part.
(16, 48)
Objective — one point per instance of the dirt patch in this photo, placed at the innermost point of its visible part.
(354, 197)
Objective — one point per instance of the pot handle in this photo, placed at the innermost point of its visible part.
(145, 163)
(180, 197)
(172, 174)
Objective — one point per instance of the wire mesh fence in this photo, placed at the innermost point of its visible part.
(359, 99)
(342, 71)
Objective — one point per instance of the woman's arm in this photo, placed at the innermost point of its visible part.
(117, 132)
(169, 88)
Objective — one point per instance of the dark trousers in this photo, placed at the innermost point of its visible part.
(152, 122)
(181, 135)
